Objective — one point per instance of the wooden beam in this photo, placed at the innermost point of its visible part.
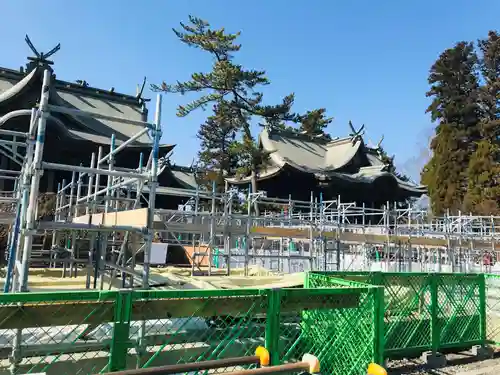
(56, 314)
(94, 313)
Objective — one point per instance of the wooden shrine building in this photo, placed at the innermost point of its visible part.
(345, 167)
(71, 139)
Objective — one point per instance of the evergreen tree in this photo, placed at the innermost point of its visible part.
(314, 122)
(455, 106)
(490, 70)
(483, 196)
(217, 137)
(227, 82)
(389, 162)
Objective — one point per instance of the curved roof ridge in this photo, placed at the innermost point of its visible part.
(339, 154)
(19, 86)
(336, 141)
(289, 133)
(267, 144)
(307, 155)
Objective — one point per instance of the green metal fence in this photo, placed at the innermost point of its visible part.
(424, 312)
(492, 295)
(94, 332)
(346, 319)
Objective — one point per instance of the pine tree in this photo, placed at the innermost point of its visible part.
(314, 122)
(483, 196)
(455, 106)
(217, 137)
(227, 82)
(389, 162)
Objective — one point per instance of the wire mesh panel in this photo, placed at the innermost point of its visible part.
(336, 325)
(357, 276)
(407, 316)
(424, 311)
(56, 333)
(171, 327)
(321, 280)
(493, 309)
(458, 309)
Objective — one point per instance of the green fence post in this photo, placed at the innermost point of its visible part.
(121, 329)
(482, 309)
(273, 325)
(435, 334)
(307, 280)
(376, 278)
(379, 344)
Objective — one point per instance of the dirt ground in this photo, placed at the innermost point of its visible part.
(457, 364)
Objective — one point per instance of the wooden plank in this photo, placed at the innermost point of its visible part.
(358, 238)
(56, 314)
(198, 227)
(220, 306)
(134, 218)
(94, 313)
(196, 307)
(201, 260)
(281, 232)
(345, 237)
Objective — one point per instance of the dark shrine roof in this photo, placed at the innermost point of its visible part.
(14, 84)
(346, 158)
(185, 176)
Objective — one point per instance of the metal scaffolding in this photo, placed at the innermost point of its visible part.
(76, 194)
(100, 223)
(296, 236)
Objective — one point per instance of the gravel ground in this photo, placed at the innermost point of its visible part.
(457, 364)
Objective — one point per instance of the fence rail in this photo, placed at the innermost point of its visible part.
(345, 319)
(427, 312)
(91, 332)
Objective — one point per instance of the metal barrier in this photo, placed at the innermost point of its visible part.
(348, 320)
(424, 312)
(93, 332)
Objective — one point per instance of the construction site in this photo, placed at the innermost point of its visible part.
(318, 267)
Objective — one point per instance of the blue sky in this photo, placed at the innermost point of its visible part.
(365, 61)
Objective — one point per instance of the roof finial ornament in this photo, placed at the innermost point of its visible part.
(378, 147)
(379, 143)
(141, 90)
(40, 56)
(82, 83)
(356, 134)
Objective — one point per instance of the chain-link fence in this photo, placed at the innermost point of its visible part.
(347, 320)
(170, 327)
(58, 333)
(428, 311)
(341, 327)
(93, 332)
(492, 295)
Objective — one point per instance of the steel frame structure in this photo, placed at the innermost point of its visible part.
(325, 235)
(26, 194)
(306, 235)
